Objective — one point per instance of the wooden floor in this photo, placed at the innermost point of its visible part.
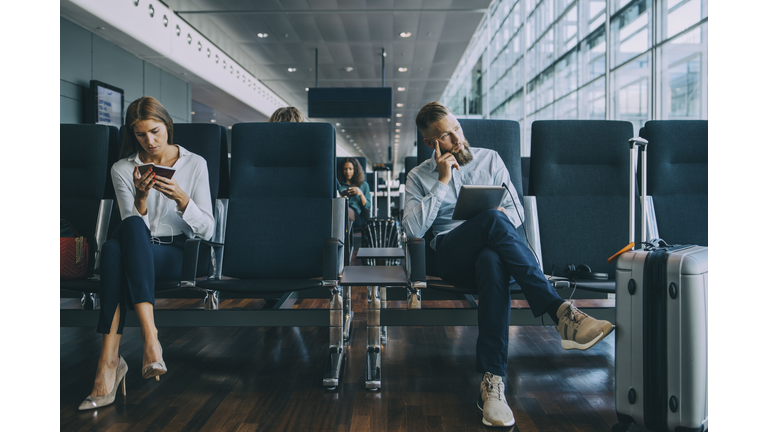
(270, 379)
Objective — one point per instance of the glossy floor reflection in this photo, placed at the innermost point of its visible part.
(248, 379)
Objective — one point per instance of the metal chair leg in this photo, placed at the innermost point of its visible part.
(211, 300)
(89, 301)
(348, 313)
(383, 306)
(373, 355)
(336, 348)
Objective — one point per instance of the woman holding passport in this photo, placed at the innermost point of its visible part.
(164, 198)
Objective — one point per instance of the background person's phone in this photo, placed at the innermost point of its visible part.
(162, 171)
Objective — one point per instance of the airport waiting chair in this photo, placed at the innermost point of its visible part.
(208, 141)
(502, 136)
(578, 208)
(284, 230)
(677, 180)
(86, 196)
(203, 139)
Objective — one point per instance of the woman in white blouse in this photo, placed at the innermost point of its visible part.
(158, 215)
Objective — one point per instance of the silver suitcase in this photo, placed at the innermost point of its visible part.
(661, 335)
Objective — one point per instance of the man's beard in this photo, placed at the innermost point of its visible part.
(463, 156)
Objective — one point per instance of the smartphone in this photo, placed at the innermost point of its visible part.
(344, 193)
(162, 171)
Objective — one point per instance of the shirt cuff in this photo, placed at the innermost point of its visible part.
(439, 190)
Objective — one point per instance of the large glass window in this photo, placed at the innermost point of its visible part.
(632, 91)
(683, 65)
(592, 101)
(593, 15)
(548, 59)
(630, 31)
(567, 108)
(567, 31)
(566, 74)
(678, 15)
(593, 57)
(546, 88)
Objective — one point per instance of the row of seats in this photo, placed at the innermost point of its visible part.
(280, 231)
(279, 226)
(577, 208)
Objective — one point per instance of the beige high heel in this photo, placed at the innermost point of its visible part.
(92, 402)
(154, 369)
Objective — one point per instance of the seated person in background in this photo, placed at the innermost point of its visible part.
(484, 251)
(286, 114)
(158, 215)
(352, 185)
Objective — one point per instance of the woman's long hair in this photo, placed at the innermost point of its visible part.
(143, 108)
(357, 178)
(286, 114)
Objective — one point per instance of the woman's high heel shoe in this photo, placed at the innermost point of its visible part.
(92, 402)
(154, 369)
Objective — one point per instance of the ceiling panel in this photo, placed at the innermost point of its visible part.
(345, 33)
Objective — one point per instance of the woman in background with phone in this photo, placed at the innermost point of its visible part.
(158, 215)
(353, 186)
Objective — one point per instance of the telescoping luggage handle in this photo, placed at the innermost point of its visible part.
(641, 144)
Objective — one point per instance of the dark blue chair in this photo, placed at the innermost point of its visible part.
(85, 195)
(208, 141)
(578, 208)
(677, 180)
(502, 136)
(284, 227)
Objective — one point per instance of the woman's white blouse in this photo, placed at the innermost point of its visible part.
(163, 217)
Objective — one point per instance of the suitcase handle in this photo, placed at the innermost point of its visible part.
(641, 144)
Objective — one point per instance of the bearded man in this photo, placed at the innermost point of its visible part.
(484, 251)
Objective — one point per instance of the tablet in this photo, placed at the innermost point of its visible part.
(475, 199)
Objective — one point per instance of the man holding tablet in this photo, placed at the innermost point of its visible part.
(484, 251)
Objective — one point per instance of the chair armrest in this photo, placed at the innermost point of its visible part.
(532, 225)
(189, 261)
(219, 235)
(416, 261)
(102, 226)
(332, 264)
(339, 219)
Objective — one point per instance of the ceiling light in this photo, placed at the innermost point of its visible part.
(402, 69)
(397, 136)
(151, 11)
(348, 68)
(398, 115)
(213, 120)
(165, 20)
(193, 113)
(189, 39)
(405, 34)
(400, 105)
(401, 89)
(397, 130)
(338, 124)
(343, 130)
(398, 124)
(306, 88)
(291, 69)
(262, 35)
(100, 28)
